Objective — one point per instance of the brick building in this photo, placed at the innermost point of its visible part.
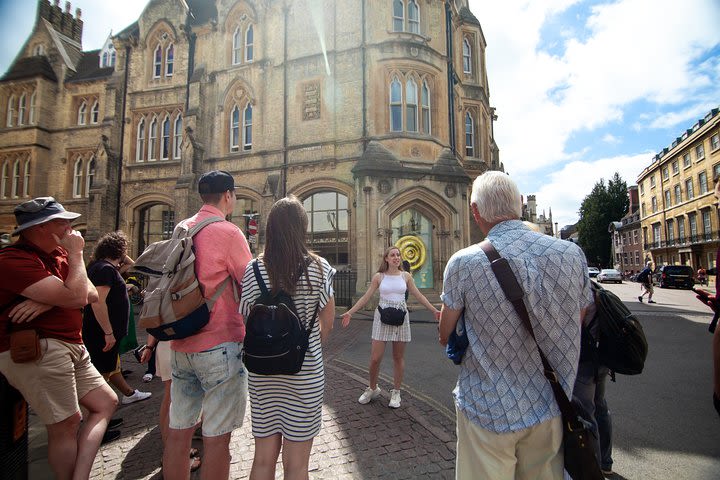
(375, 113)
(626, 237)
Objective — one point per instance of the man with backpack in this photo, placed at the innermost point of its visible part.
(645, 277)
(208, 376)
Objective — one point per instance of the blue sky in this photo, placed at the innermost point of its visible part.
(582, 88)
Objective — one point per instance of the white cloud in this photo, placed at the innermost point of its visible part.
(612, 139)
(567, 187)
(637, 50)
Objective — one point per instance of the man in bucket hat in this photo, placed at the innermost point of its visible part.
(43, 287)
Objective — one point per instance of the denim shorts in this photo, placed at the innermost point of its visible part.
(211, 384)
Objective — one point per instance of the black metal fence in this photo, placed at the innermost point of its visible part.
(344, 285)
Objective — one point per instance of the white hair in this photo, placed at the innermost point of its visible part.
(497, 197)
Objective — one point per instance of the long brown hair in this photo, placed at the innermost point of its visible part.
(384, 266)
(286, 255)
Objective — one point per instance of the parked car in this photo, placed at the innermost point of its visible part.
(676, 276)
(593, 272)
(609, 275)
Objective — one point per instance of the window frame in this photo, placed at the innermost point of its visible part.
(157, 61)
(426, 108)
(410, 21)
(678, 194)
(237, 52)
(396, 104)
(170, 60)
(31, 112)
(714, 142)
(22, 106)
(411, 105)
(77, 178)
(5, 179)
(703, 182)
(89, 175)
(700, 151)
(10, 116)
(689, 189)
(247, 127)
(26, 179)
(152, 139)
(177, 137)
(82, 113)
(95, 113)
(398, 20)
(165, 138)
(15, 182)
(249, 49)
(235, 133)
(140, 141)
(467, 56)
(469, 135)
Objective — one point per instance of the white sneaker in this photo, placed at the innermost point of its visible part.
(137, 396)
(147, 377)
(369, 394)
(394, 399)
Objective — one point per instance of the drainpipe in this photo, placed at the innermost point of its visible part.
(191, 62)
(122, 139)
(450, 75)
(286, 10)
(364, 76)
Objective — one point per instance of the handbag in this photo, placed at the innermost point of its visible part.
(25, 346)
(392, 316)
(579, 443)
(457, 341)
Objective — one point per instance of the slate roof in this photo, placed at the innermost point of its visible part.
(202, 11)
(468, 17)
(30, 67)
(88, 68)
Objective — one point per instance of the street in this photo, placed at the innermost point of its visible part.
(664, 424)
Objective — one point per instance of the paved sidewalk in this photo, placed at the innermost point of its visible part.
(356, 441)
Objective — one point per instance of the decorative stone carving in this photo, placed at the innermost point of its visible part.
(450, 190)
(384, 186)
(311, 100)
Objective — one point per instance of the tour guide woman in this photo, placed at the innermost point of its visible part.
(392, 282)
(286, 410)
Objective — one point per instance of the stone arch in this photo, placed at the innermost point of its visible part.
(156, 30)
(133, 211)
(309, 187)
(423, 199)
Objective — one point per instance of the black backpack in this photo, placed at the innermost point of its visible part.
(275, 340)
(620, 340)
(643, 276)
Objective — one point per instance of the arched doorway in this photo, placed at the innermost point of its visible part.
(412, 233)
(155, 222)
(328, 226)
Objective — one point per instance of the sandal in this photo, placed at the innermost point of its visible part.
(194, 463)
(194, 452)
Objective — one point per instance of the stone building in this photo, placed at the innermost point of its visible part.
(678, 211)
(375, 113)
(626, 235)
(543, 222)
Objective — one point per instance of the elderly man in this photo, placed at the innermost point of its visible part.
(44, 287)
(508, 423)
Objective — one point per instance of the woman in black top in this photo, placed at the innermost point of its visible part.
(105, 322)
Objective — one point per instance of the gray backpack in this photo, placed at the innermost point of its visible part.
(174, 306)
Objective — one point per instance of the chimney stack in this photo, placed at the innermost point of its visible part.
(62, 21)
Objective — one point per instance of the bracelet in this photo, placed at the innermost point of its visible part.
(150, 347)
(108, 334)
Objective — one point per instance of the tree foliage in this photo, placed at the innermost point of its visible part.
(604, 204)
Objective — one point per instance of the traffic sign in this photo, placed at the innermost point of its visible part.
(252, 227)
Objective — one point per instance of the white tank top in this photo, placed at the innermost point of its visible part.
(392, 288)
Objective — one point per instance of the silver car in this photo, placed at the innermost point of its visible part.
(609, 275)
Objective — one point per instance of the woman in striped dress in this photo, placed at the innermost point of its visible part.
(392, 282)
(286, 409)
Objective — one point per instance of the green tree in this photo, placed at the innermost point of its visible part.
(603, 205)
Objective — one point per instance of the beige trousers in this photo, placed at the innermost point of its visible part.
(534, 453)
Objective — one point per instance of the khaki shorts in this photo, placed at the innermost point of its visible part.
(53, 384)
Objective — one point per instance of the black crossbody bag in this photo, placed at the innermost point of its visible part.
(579, 443)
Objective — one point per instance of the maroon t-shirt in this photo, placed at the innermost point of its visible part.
(22, 265)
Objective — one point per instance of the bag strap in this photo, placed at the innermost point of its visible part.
(514, 293)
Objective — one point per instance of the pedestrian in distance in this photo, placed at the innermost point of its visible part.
(508, 422)
(45, 286)
(646, 280)
(392, 282)
(208, 376)
(105, 322)
(286, 409)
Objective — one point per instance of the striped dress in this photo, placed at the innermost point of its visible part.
(291, 405)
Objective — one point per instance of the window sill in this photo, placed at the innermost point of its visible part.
(153, 163)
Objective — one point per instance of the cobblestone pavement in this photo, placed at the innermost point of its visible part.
(356, 441)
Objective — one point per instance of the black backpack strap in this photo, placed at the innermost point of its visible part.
(259, 278)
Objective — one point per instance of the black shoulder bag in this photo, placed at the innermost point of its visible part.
(578, 440)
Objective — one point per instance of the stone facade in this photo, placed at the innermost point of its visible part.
(678, 211)
(343, 103)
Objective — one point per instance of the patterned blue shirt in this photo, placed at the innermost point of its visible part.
(501, 387)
